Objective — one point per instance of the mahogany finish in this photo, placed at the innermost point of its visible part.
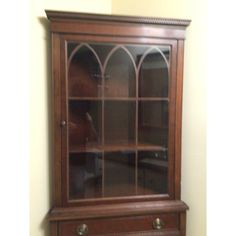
(117, 137)
(120, 225)
(122, 209)
(54, 228)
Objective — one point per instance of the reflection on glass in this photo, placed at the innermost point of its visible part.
(85, 175)
(118, 116)
(137, 51)
(153, 75)
(119, 174)
(102, 50)
(153, 122)
(119, 122)
(84, 74)
(120, 75)
(152, 173)
(85, 124)
(71, 46)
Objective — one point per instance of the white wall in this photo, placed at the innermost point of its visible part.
(221, 117)
(40, 103)
(14, 117)
(194, 98)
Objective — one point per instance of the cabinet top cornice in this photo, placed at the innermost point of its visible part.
(53, 15)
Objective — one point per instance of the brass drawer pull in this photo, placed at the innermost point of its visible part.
(157, 224)
(82, 230)
(63, 123)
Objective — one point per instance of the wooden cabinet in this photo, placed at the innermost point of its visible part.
(117, 92)
(120, 225)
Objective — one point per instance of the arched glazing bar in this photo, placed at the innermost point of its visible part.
(91, 49)
(80, 82)
(122, 82)
(114, 50)
(103, 67)
(147, 52)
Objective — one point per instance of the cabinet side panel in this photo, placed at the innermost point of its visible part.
(183, 224)
(179, 89)
(56, 120)
(54, 229)
(172, 111)
(65, 129)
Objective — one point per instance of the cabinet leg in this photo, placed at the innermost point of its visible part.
(53, 229)
(183, 224)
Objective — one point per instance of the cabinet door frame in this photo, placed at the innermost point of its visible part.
(61, 187)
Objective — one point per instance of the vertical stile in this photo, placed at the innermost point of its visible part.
(103, 131)
(136, 132)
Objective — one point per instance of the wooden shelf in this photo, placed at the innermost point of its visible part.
(96, 148)
(100, 98)
(116, 148)
(162, 99)
(120, 190)
(150, 147)
(119, 98)
(154, 162)
(85, 99)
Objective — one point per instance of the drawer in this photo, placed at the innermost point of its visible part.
(124, 225)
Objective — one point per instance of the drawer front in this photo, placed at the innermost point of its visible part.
(148, 233)
(168, 222)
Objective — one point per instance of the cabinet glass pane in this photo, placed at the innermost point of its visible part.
(152, 172)
(120, 74)
(119, 123)
(119, 174)
(153, 123)
(84, 72)
(153, 73)
(85, 122)
(137, 52)
(85, 175)
(102, 50)
(118, 113)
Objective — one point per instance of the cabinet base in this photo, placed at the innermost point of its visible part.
(163, 218)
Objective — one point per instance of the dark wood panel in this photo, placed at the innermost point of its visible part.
(120, 225)
(67, 22)
(115, 29)
(64, 117)
(118, 99)
(179, 88)
(149, 233)
(171, 130)
(183, 224)
(117, 39)
(122, 209)
(53, 229)
(118, 200)
(116, 18)
(56, 81)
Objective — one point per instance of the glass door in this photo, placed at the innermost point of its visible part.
(153, 119)
(118, 113)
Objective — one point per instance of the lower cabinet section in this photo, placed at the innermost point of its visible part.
(146, 219)
(162, 223)
(163, 233)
